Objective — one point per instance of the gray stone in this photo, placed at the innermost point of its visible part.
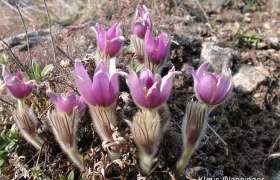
(273, 41)
(247, 79)
(218, 57)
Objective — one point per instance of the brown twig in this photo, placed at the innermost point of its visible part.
(50, 28)
(64, 53)
(6, 102)
(203, 11)
(15, 58)
(13, 8)
(27, 38)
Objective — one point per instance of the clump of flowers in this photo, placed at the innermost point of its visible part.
(149, 90)
(64, 122)
(23, 115)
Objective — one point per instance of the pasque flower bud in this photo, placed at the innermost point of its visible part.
(109, 43)
(64, 121)
(15, 84)
(141, 22)
(210, 88)
(156, 51)
(193, 128)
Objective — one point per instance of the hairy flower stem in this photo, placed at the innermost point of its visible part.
(194, 126)
(147, 130)
(104, 120)
(76, 157)
(137, 45)
(26, 122)
(183, 161)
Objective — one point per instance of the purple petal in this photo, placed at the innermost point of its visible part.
(166, 84)
(113, 32)
(162, 49)
(101, 66)
(224, 90)
(154, 98)
(17, 88)
(6, 74)
(150, 44)
(19, 75)
(114, 46)
(53, 97)
(136, 90)
(84, 83)
(206, 85)
(100, 87)
(101, 37)
(203, 68)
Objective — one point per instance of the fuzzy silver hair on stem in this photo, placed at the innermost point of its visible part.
(193, 128)
(147, 131)
(64, 122)
(26, 122)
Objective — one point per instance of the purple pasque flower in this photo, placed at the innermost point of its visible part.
(15, 84)
(141, 22)
(211, 88)
(67, 102)
(103, 89)
(156, 50)
(109, 43)
(150, 91)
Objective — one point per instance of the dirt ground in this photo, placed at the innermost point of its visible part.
(248, 122)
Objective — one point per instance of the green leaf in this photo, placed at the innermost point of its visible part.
(34, 65)
(71, 175)
(4, 59)
(61, 177)
(47, 70)
(136, 67)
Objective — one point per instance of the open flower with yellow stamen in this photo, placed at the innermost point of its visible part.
(150, 92)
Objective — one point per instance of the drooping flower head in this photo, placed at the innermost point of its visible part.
(141, 22)
(67, 102)
(156, 50)
(15, 84)
(149, 90)
(109, 43)
(211, 88)
(103, 89)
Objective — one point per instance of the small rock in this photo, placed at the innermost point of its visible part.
(247, 19)
(266, 26)
(274, 41)
(65, 63)
(248, 78)
(218, 57)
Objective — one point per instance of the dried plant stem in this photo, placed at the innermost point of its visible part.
(221, 139)
(6, 102)
(203, 11)
(64, 53)
(50, 28)
(15, 9)
(25, 29)
(15, 58)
